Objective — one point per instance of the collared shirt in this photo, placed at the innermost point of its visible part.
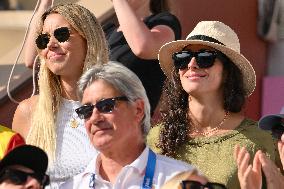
(131, 176)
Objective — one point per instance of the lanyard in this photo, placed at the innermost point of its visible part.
(150, 170)
(148, 177)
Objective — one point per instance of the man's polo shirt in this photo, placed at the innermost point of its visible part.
(131, 176)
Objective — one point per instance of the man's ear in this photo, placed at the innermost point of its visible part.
(140, 109)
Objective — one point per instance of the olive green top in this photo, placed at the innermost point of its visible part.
(214, 155)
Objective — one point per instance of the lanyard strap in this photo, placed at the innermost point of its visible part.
(150, 170)
(148, 177)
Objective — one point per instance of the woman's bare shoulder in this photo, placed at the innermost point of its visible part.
(27, 105)
(22, 117)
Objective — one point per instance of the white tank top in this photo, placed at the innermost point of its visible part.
(73, 148)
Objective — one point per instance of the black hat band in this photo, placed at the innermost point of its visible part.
(204, 38)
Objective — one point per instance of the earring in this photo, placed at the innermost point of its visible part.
(189, 98)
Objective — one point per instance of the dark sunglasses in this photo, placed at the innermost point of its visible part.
(18, 177)
(188, 184)
(204, 58)
(103, 106)
(61, 34)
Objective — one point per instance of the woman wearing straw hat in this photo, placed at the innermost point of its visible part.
(208, 80)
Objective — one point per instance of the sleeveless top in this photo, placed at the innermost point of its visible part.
(73, 147)
(214, 155)
(148, 71)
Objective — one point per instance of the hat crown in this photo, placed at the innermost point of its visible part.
(218, 31)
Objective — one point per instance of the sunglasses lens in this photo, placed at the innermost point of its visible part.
(216, 186)
(188, 184)
(205, 59)
(42, 41)
(103, 106)
(181, 59)
(106, 106)
(62, 34)
(192, 185)
(85, 111)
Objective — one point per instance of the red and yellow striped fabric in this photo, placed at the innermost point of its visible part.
(9, 140)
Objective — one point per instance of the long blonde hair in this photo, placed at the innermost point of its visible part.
(175, 182)
(43, 127)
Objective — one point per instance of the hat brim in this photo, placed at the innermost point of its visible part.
(166, 62)
(59, 2)
(28, 156)
(269, 121)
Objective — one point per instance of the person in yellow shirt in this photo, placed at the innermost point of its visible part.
(9, 140)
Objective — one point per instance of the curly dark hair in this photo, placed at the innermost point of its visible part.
(175, 119)
(158, 6)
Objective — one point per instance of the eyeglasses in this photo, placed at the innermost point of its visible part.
(204, 58)
(61, 34)
(18, 177)
(103, 106)
(188, 184)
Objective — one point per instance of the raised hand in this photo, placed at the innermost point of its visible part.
(281, 150)
(249, 175)
(274, 178)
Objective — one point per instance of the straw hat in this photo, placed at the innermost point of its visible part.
(57, 2)
(218, 36)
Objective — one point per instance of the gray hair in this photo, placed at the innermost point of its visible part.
(123, 80)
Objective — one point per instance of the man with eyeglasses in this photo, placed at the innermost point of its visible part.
(24, 168)
(116, 112)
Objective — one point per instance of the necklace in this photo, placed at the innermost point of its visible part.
(73, 121)
(206, 133)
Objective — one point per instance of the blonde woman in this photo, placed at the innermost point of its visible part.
(70, 40)
(189, 180)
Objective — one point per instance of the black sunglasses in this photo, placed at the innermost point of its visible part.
(61, 34)
(103, 106)
(18, 177)
(188, 184)
(204, 58)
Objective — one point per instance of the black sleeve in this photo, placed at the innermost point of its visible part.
(108, 28)
(165, 18)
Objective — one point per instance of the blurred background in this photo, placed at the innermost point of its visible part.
(241, 15)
